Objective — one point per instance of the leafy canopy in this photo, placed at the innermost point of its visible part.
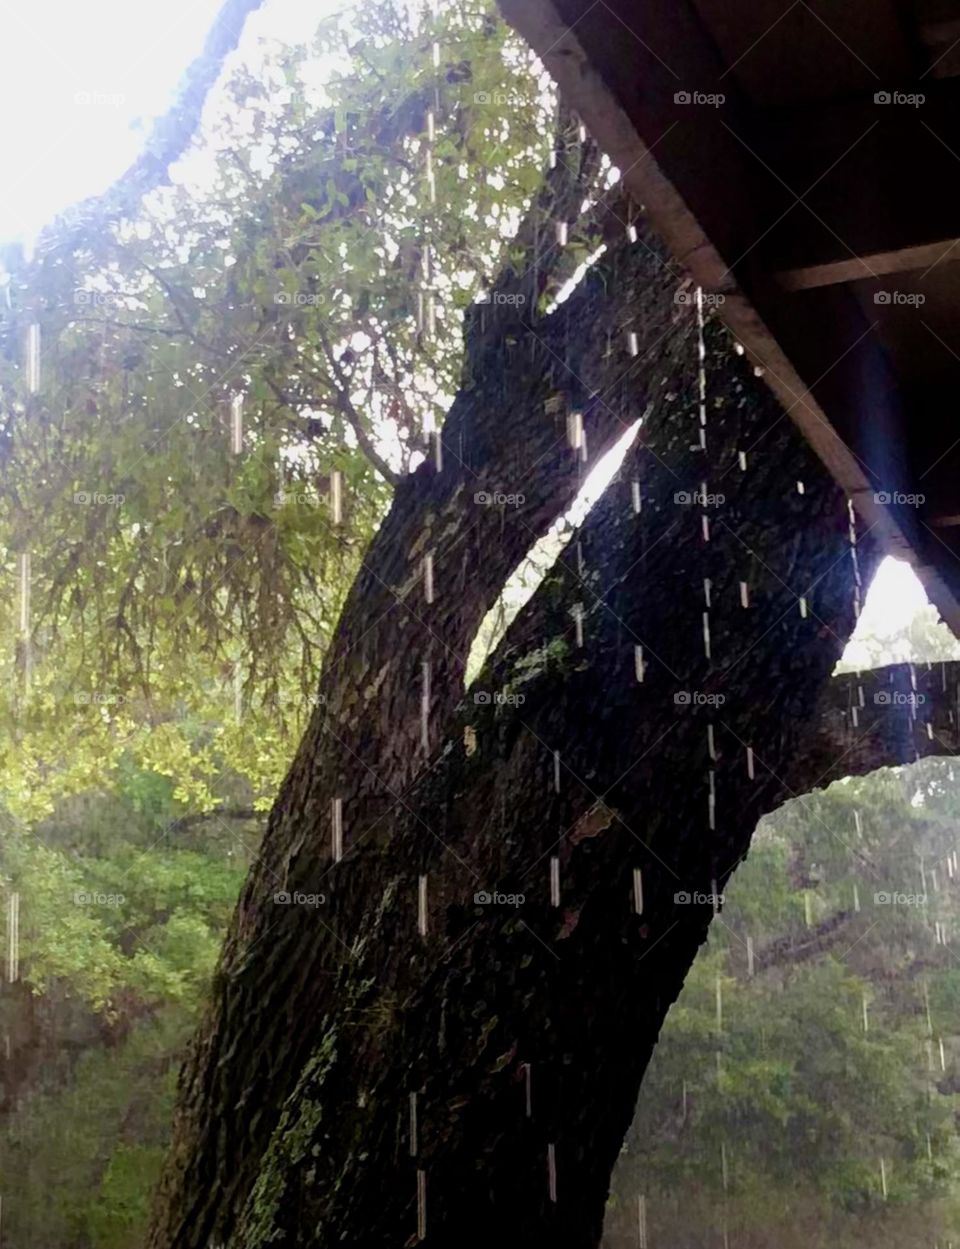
(310, 265)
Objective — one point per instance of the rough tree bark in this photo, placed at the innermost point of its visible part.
(358, 1082)
(896, 714)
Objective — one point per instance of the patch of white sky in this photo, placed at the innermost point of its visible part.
(898, 623)
(81, 86)
(82, 83)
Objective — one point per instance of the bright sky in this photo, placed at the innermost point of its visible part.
(81, 81)
(77, 77)
(893, 599)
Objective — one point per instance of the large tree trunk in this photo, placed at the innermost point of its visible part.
(358, 1082)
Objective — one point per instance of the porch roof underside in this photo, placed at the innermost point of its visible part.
(803, 161)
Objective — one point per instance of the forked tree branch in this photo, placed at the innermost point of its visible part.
(883, 718)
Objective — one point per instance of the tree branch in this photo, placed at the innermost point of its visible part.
(882, 718)
(221, 813)
(789, 949)
(352, 415)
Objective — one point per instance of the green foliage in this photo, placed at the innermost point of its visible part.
(182, 596)
(144, 919)
(122, 915)
(793, 1094)
(79, 1162)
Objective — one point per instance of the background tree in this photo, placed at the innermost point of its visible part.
(834, 1045)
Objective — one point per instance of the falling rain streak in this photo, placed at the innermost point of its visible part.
(23, 576)
(857, 583)
(236, 424)
(13, 937)
(336, 828)
(701, 372)
(578, 623)
(425, 705)
(422, 906)
(23, 612)
(421, 1205)
(575, 430)
(336, 496)
(33, 358)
